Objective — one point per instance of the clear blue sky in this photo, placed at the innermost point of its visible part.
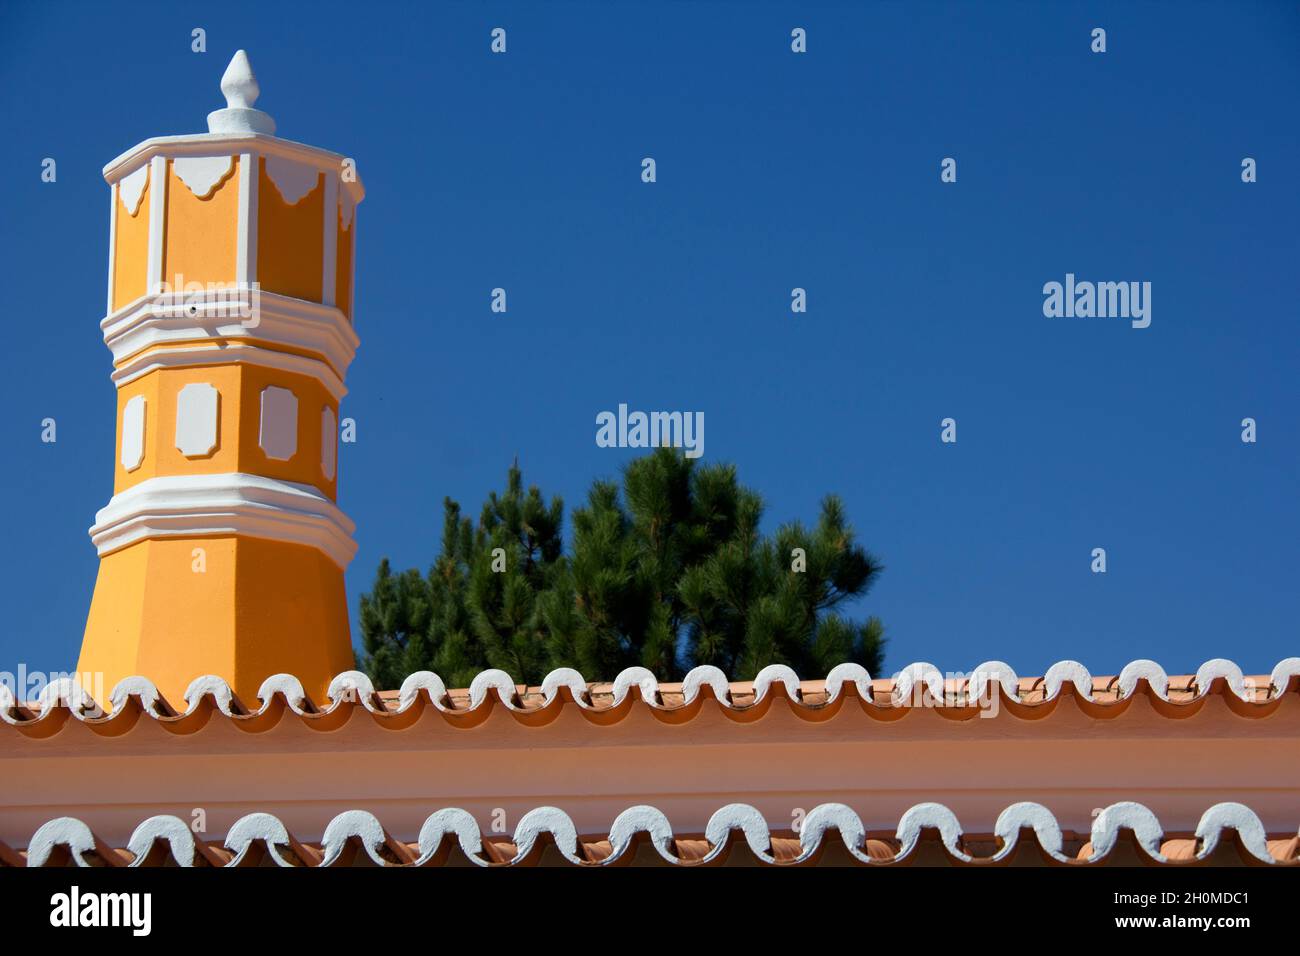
(775, 170)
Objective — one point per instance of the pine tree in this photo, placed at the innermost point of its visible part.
(516, 557)
(394, 625)
(667, 571)
(677, 573)
(465, 615)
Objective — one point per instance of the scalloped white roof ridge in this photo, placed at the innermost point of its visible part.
(455, 824)
(352, 687)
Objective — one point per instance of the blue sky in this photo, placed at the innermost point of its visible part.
(775, 170)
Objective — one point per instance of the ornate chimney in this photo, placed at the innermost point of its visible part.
(229, 319)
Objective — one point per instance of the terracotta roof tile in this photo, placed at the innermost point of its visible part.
(832, 834)
(847, 686)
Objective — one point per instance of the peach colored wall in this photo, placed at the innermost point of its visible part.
(200, 233)
(1066, 761)
(238, 425)
(131, 249)
(290, 240)
(343, 271)
(258, 608)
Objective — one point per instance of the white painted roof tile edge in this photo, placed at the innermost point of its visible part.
(355, 687)
(456, 824)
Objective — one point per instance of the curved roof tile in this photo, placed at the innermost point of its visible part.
(547, 834)
(848, 685)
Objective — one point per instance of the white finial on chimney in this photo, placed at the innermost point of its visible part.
(238, 82)
(239, 85)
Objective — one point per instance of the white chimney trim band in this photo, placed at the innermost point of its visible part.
(208, 355)
(210, 144)
(225, 504)
(176, 317)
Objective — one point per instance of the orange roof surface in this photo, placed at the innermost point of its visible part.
(616, 821)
